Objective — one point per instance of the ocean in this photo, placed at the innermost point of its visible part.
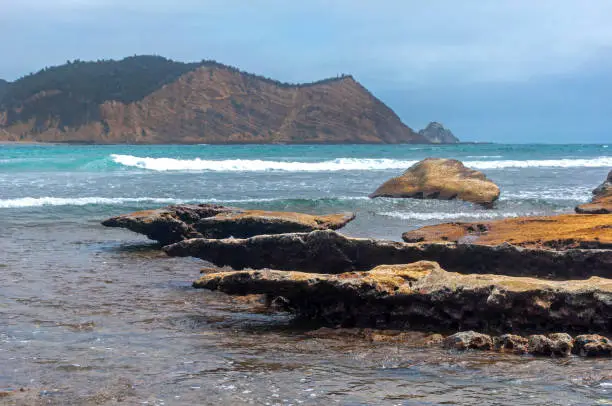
(91, 315)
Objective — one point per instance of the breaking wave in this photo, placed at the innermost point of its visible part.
(78, 201)
(83, 201)
(339, 164)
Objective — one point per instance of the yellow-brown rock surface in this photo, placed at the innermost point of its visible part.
(422, 294)
(438, 178)
(556, 232)
(176, 223)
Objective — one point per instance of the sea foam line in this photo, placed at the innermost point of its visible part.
(447, 215)
(339, 164)
(83, 201)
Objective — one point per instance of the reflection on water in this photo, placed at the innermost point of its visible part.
(95, 316)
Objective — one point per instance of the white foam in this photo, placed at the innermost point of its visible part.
(78, 201)
(447, 215)
(602, 161)
(483, 156)
(255, 165)
(339, 164)
(578, 194)
(83, 201)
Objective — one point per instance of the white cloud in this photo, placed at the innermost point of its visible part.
(415, 41)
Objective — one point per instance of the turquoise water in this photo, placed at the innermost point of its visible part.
(89, 315)
(103, 180)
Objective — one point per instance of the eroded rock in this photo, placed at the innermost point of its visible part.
(468, 340)
(557, 344)
(602, 199)
(592, 345)
(561, 232)
(422, 295)
(511, 343)
(176, 223)
(438, 178)
(331, 252)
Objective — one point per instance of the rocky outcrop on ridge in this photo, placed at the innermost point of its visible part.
(176, 223)
(438, 178)
(602, 199)
(436, 133)
(422, 295)
(331, 252)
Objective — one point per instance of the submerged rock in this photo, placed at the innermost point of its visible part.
(331, 252)
(512, 343)
(591, 345)
(602, 199)
(438, 178)
(422, 295)
(468, 340)
(561, 232)
(557, 344)
(180, 222)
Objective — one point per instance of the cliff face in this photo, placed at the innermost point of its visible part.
(436, 133)
(210, 103)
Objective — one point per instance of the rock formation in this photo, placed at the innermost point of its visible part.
(602, 199)
(331, 252)
(436, 133)
(422, 295)
(445, 179)
(560, 232)
(152, 100)
(180, 222)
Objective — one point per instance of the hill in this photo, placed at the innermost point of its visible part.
(150, 99)
(3, 86)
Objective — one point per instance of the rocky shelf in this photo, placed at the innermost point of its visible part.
(423, 295)
(330, 252)
(176, 223)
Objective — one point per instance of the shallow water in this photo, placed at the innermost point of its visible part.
(90, 315)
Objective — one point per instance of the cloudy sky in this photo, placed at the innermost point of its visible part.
(505, 71)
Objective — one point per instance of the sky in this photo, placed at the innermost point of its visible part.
(490, 70)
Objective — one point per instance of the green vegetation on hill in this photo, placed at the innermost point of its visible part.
(3, 86)
(73, 91)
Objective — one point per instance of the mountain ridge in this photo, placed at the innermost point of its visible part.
(154, 100)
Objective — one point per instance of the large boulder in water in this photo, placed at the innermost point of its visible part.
(438, 178)
(602, 199)
(422, 295)
(176, 223)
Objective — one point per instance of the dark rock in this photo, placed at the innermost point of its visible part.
(444, 179)
(591, 345)
(512, 343)
(557, 344)
(176, 223)
(436, 133)
(468, 340)
(602, 199)
(331, 252)
(422, 295)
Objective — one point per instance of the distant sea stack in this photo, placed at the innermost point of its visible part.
(153, 100)
(436, 133)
